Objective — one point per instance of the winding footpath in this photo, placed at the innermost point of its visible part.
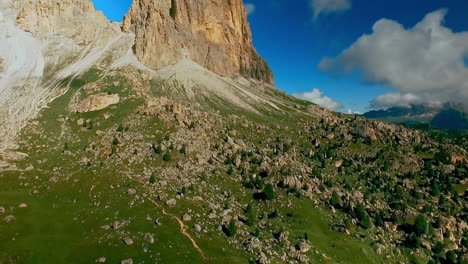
(183, 226)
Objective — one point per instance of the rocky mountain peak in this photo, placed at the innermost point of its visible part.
(213, 33)
(74, 19)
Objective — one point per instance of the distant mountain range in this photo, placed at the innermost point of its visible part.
(447, 117)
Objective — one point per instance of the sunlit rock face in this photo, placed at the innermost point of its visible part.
(213, 33)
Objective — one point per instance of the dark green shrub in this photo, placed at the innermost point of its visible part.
(335, 200)
(250, 214)
(269, 192)
(231, 229)
(167, 156)
(420, 225)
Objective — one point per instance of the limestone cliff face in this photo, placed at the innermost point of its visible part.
(213, 33)
(74, 19)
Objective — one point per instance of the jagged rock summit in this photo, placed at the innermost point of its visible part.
(212, 33)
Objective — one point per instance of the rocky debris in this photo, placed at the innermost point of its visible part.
(23, 205)
(2, 210)
(304, 247)
(98, 102)
(172, 202)
(214, 34)
(127, 261)
(255, 244)
(263, 259)
(149, 238)
(128, 241)
(293, 182)
(54, 179)
(117, 225)
(101, 260)
(186, 218)
(90, 87)
(9, 218)
(338, 163)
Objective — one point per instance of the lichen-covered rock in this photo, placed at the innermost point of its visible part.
(213, 33)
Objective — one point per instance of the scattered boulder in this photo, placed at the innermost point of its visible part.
(304, 247)
(98, 102)
(127, 261)
(128, 241)
(197, 227)
(187, 218)
(53, 179)
(149, 238)
(2, 210)
(23, 205)
(131, 191)
(9, 218)
(117, 225)
(101, 260)
(80, 122)
(172, 202)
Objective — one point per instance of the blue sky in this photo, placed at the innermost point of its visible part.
(294, 42)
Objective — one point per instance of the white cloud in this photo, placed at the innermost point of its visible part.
(316, 97)
(250, 8)
(329, 6)
(423, 64)
(352, 112)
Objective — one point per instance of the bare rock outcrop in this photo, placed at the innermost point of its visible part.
(212, 33)
(74, 19)
(98, 102)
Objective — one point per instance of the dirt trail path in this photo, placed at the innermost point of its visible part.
(183, 226)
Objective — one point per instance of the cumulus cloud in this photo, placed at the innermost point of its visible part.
(316, 97)
(423, 64)
(329, 6)
(352, 112)
(250, 8)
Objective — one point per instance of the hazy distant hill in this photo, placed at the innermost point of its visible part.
(447, 117)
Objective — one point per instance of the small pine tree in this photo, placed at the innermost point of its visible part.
(335, 200)
(173, 9)
(157, 149)
(183, 150)
(420, 225)
(379, 221)
(365, 221)
(435, 189)
(269, 192)
(413, 241)
(231, 229)
(250, 214)
(167, 157)
(451, 257)
(120, 128)
(152, 179)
